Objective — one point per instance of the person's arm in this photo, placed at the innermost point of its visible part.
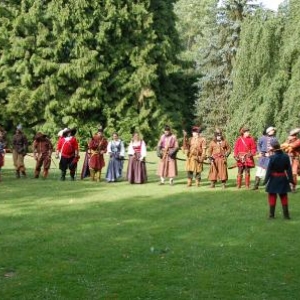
(143, 150)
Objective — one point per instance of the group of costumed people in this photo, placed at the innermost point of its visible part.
(278, 165)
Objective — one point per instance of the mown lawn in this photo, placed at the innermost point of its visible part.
(87, 240)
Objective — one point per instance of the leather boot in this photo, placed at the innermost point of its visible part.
(212, 184)
(92, 174)
(63, 176)
(197, 182)
(239, 181)
(189, 182)
(18, 174)
(45, 174)
(272, 212)
(247, 181)
(286, 213)
(256, 183)
(36, 174)
(98, 176)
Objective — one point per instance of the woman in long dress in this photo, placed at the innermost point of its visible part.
(116, 152)
(136, 171)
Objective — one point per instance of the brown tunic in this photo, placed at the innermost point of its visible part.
(195, 151)
(168, 165)
(218, 152)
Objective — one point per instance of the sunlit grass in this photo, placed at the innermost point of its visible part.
(88, 240)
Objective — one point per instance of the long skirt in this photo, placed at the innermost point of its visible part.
(114, 169)
(136, 171)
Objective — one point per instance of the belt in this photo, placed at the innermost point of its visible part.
(278, 174)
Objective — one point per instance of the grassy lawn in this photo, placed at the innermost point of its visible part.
(88, 240)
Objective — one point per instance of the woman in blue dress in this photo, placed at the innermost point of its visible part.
(116, 152)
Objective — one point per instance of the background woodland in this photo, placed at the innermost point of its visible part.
(138, 65)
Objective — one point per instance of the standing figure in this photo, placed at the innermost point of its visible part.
(264, 152)
(97, 146)
(218, 151)
(116, 152)
(292, 147)
(2, 150)
(278, 178)
(42, 151)
(167, 148)
(20, 145)
(244, 150)
(195, 151)
(68, 151)
(136, 170)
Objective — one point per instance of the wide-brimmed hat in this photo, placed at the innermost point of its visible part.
(295, 131)
(61, 132)
(269, 129)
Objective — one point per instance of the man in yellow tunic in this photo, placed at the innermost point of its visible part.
(195, 151)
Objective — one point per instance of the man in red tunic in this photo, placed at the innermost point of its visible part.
(97, 147)
(244, 150)
(68, 151)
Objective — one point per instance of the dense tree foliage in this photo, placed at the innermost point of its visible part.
(77, 63)
(137, 65)
(217, 61)
(266, 74)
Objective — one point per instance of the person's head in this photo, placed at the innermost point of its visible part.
(275, 145)
(167, 130)
(270, 131)
(218, 135)
(245, 131)
(294, 133)
(135, 136)
(19, 128)
(100, 132)
(195, 131)
(39, 136)
(115, 136)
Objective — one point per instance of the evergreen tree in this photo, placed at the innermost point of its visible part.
(77, 63)
(217, 61)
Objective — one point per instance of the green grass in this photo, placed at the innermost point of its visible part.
(87, 240)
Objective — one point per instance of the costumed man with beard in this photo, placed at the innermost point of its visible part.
(278, 179)
(218, 151)
(195, 151)
(292, 148)
(264, 152)
(42, 151)
(97, 147)
(167, 148)
(20, 144)
(2, 149)
(68, 151)
(244, 151)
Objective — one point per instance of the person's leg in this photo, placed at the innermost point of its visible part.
(285, 207)
(272, 204)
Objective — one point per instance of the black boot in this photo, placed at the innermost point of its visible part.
(272, 212)
(63, 176)
(18, 174)
(286, 213)
(256, 183)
